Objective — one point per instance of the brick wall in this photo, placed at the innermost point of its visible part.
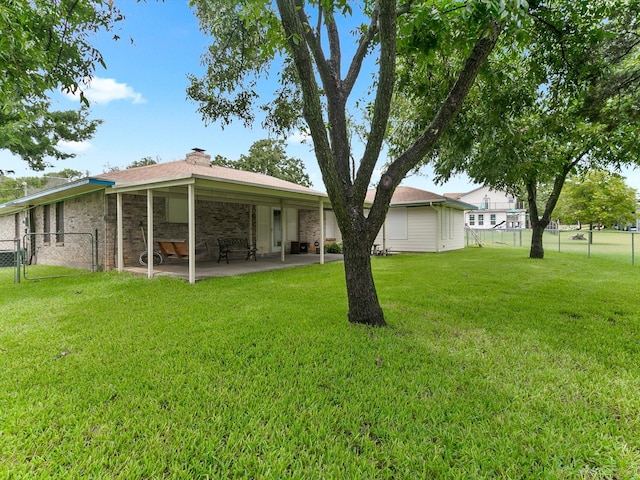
(9, 229)
(82, 224)
(97, 212)
(213, 220)
(309, 226)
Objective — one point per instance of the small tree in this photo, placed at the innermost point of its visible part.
(269, 158)
(597, 197)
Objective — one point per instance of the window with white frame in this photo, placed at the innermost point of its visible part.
(492, 219)
(396, 224)
(472, 219)
(480, 219)
(177, 210)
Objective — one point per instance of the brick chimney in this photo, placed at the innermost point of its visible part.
(197, 157)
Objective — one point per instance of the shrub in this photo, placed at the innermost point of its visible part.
(333, 247)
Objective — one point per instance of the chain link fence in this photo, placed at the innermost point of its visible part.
(52, 255)
(11, 257)
(615, 245)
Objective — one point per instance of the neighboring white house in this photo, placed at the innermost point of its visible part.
(422, 221)
(495, 209)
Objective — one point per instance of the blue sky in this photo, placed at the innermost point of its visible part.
(141, 99)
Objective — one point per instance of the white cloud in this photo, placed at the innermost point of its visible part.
(299, 137)
(105, 90)
(75, 147)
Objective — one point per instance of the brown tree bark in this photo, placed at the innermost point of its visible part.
(364, 306)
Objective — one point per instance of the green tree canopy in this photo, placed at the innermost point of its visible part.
(566, 99)
(268, 157)
(12, 188)
(143, 162)
(45, 45)
(597, 197)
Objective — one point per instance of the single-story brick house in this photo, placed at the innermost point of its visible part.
(422, 221)
(108, 220)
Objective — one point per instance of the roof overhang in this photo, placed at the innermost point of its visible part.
(56, 194)
(221, 190)
(437, 201)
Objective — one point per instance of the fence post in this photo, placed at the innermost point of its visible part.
(558, 239)
(633, 250)
(16, 249)
(590, 239)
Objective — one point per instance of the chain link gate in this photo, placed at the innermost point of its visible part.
(54, 255)
(11, 257)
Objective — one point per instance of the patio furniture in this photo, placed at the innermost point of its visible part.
(229, 245)
(179, 248)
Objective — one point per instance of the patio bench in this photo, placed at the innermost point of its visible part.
(229, 245)
(179, 248)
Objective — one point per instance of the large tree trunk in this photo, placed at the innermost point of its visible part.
(539, 223)
(537, 251)
(364, 306)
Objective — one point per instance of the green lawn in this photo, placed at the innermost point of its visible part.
(493, 366)
(606, 244)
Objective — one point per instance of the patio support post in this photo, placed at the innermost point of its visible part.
(321, 231)
(119, 234)
(283, 227)
(438, 213)
(150, 233)
(191, 188)
(384, 236)
(250, 239)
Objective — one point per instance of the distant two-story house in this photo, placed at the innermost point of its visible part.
(496, 209)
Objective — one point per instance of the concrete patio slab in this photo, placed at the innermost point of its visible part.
(236, 266)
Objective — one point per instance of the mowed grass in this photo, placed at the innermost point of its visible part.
(608, 244)
(493, 366)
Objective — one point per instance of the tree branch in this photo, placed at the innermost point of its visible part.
(449, 108)
(361, 52)
(384, 95)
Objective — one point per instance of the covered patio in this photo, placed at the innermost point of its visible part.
(211, 268)
(190, 203)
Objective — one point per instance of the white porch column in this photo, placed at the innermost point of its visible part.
(150, 233)
(322, 234)
(192, 232)
(119, 234)
(283, 228)
(250, 239)
(384, 235)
